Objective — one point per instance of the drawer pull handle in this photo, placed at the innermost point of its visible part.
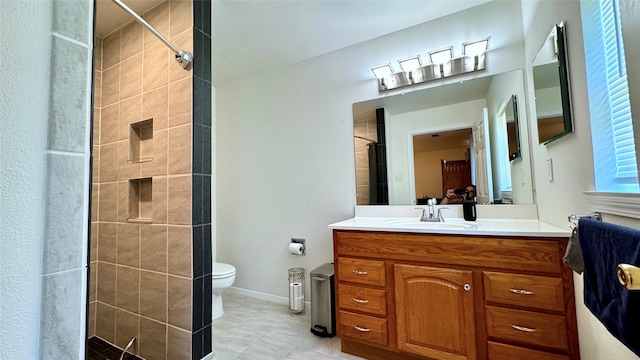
(521, 292)
(361, 301)
(525, 329)
(361, 329)
(359, 272)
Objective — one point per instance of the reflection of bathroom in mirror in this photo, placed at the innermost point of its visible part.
(551, 85)
(511, 120)
(442, 109)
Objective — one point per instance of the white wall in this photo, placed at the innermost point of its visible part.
(24, 70)
(285, 165)
(571, 155)
(501, 88)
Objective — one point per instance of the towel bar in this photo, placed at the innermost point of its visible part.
(594, 216)
(628, 276)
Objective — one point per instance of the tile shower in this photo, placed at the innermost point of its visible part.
(150, 255)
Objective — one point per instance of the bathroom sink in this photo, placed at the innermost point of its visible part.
(417, 224)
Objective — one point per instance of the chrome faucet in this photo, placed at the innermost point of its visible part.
(431, 215)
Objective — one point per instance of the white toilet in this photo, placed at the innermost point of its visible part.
(223, 276)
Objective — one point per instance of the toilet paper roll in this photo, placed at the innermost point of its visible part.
(296, 296)
(296, 248)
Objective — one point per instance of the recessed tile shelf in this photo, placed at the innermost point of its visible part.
(141, 141)
(140, 196)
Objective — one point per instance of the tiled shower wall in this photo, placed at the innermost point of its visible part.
(365, 128)
(145, 281)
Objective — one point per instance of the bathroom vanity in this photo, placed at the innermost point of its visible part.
(492, 290)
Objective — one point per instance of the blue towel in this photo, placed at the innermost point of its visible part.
(604, 246)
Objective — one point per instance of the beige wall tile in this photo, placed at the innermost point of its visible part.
(153, 247)
(93, 241)
(111, 50)
(180, 17)
(95, 193)
(182, 41)
(106, 322)
(93, 281)
(131, 77)
(91, 326)
(123, 200)
(128, 168)
(179, 253)
(160, 200)
(158, 166)
(111, 85)
(97, 53)
(153, 295)
(107, 242)
(179, 161)
(108, 202)
(109, 123)
(179, 306)
(156, 68)
(95, 175)
(106, 283)
(178, 344)
(97, 87)
(127, 327)
(108, 162)
(129, 244)
(157, 17)
(153, 339)
(155, 105)
(130, 113)
(179, 204)
(180, 102)
(131, 40)
(96, 126)
(128, 289)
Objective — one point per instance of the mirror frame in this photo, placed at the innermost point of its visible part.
(516, 124)
(565, 88)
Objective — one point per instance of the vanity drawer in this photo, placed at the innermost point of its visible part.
(527, 327)
(369, 272)
(373, 301)
(363, 328)
(497, 351)
(540, 292)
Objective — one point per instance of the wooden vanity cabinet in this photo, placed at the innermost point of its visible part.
(452, 297)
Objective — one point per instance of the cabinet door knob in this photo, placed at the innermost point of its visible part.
(361, 301)
(359, 272)
(467, 287)
(521, 292)
(361, 329)
(522, 328)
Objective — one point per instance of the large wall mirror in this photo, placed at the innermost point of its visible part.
(552, 90)
(448, 136)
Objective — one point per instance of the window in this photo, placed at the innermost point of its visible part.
(611, 123)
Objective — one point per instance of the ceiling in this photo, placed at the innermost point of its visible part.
(249, 36)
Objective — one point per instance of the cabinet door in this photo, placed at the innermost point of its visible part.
(435, 312)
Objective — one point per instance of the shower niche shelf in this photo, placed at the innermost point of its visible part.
(141, 141)
(140, 200)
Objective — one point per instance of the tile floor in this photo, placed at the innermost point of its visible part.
(253, 329)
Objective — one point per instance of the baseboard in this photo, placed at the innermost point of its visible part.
(210, 356)
(262, 296)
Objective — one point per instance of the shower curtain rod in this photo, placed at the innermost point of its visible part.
(182, 56)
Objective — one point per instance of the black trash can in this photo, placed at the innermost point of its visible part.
(323, 307)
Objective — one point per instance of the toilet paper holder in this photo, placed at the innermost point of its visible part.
(298, 241)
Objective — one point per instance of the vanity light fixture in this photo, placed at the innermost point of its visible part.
(443, 64)
(382, 71)
(410, 63)
(474, 48)
(441, 56)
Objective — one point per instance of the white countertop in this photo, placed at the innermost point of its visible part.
(496, 227)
